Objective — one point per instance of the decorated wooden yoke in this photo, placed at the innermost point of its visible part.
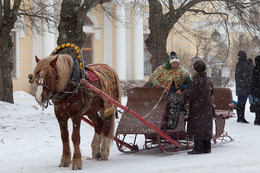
(78, 64)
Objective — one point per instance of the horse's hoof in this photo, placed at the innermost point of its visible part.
(65, 164)
(96, 156)
(76, 167)
(76, 164)
(65, 161)
(104, 158)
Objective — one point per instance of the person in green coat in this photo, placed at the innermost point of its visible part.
(175, 79)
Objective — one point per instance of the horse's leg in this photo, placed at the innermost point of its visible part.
(95, 145)
(66, 156)
(104, 147)
(108, 130)
(76, 162)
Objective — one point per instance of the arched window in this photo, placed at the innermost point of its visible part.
(147, 57)
(87, 49)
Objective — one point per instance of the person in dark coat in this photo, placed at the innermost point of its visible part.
(200, 109)
(255, 87)
(242, 85)
(251, 66)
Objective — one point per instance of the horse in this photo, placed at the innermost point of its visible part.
(52, 77)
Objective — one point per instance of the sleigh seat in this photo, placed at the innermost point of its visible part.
(223, 101)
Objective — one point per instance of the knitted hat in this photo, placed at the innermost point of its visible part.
(199, 66)
(174, 57)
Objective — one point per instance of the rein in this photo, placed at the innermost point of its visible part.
(65, 94)
(155, 106)
(87, 106)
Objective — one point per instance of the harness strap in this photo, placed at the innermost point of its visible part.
(88, 102)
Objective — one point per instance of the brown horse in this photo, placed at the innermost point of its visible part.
(52, 75)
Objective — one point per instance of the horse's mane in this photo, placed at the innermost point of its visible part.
(64, 66)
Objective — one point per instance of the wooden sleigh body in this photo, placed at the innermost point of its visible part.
(150, 103)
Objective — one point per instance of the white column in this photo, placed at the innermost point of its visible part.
(37, 47)
(121, 43)
(49, 41)
(138, 45)
(108, 49)
(128, 43)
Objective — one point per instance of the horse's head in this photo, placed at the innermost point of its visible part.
(45, 76)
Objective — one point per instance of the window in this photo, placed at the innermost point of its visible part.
(13, 53)
(147, 57)
(88, 21)
(87, 49)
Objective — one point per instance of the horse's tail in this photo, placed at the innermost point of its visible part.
(112, 130)
(118, 87)
(112, 125)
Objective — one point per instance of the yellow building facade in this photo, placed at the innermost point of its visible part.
(23, 60)
(119, 44)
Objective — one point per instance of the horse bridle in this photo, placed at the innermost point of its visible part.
(49, 88)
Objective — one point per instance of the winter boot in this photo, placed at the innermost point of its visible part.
(257, 118)
(241, 113)
(207, 146)
(238, 112)
(198, 147)
(243, 120)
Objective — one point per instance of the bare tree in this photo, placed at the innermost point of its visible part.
(165, 14)
(23, 14)
(185, 58)
(222, 55)
(72, 16)
(8, 17)
(31, 15)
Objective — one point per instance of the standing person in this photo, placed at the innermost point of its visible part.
(200, 117)
(242, 85)
(175, 79)
(255, 88)
(251, 66)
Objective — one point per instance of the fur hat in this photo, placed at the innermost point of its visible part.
(199, 66)
(174, 57)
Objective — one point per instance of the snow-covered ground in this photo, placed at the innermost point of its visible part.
(30, 142)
